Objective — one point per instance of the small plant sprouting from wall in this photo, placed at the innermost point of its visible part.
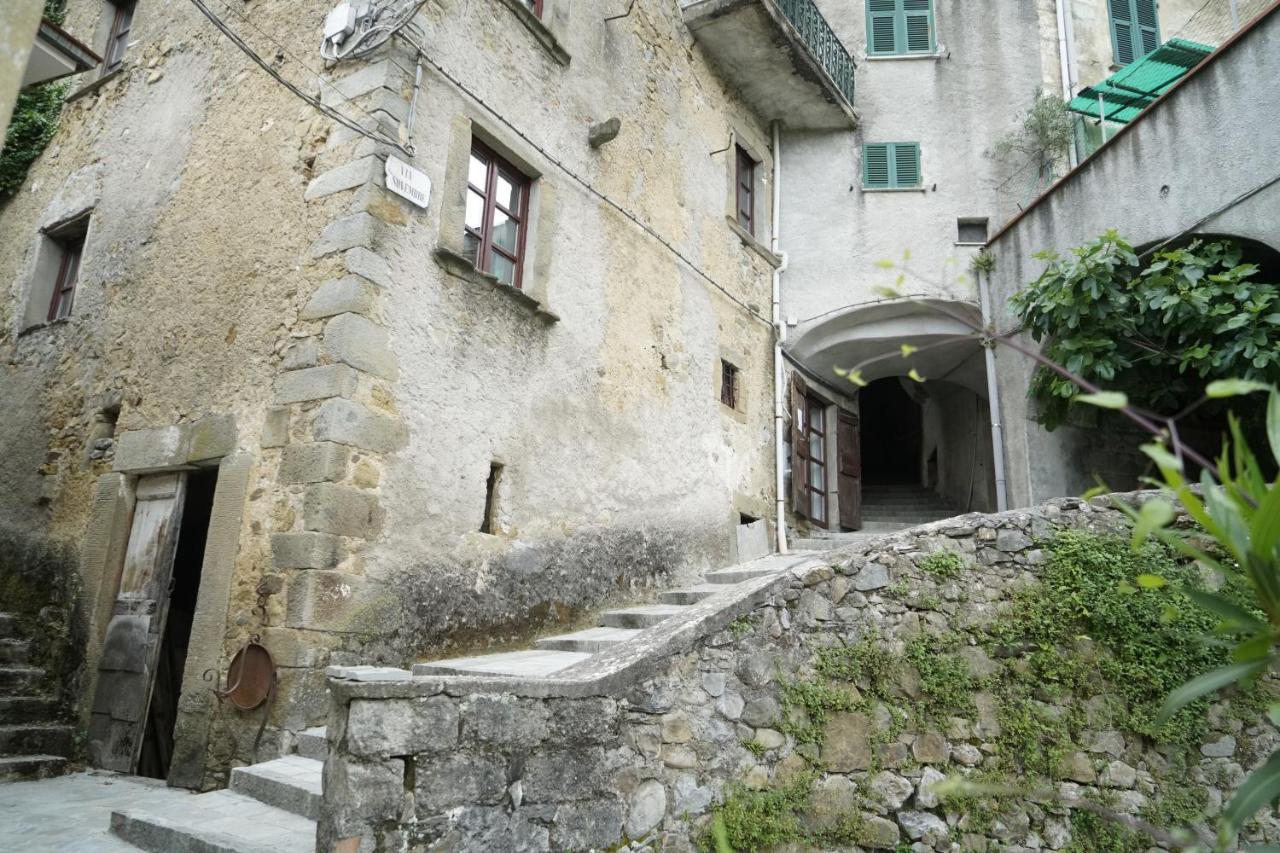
(1041, 140)
(943, 564)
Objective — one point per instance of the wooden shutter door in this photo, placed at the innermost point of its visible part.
(875, 166)
(917, 26)
(849, 477)
(1122, 30)
(906, 165)
(127, 670)
(1147, 31)
(799, 449)
(882, 20)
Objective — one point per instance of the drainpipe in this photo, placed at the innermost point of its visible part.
(993, 394)
(1066, 63)
(779, 336)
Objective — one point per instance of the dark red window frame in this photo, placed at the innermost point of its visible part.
(745, 177)
(535, 6)
(70, 243)
(118, 40)
(485, 246)
(815, 436)
(728, 384)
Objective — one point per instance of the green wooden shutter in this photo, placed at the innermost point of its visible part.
(876, 166)
(890, 165)
(1135, 29)
(906, 164)
(917, 16)
(882, 26)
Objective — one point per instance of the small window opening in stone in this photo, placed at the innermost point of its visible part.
(971, 230)
(489, 525)
(728, 384)
(743, 518)
(102, 435)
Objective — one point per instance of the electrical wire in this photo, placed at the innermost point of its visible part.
(328, 111)
(587, 185)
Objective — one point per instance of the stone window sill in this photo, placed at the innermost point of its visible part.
(460, 267)
(94, 85)
(895, 189)
(940, 53)
(47, 324)
(540, 31)
(960, 243)
(749, 240)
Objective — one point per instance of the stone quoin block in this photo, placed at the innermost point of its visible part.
(306, 550)
(347, 295)
(418, 726)
(383, 74)
(345, 177)
(327, 601)
(275, 427)
(316, 383)
(344, 510)
(361, 343)
(348, 422)
(318, 462)
(303, 352)
(357, 229)
(368, 265)
(211, 437)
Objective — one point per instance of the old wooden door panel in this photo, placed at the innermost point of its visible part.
(126, 671)
(799, 448)
(849, 482)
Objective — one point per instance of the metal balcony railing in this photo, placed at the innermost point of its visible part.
(821, 41)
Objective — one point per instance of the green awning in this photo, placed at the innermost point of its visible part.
(1133, 88)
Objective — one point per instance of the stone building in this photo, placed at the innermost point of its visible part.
(465, 336)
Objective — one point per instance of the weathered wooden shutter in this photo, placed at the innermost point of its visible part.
(127, 669)
(799, 448)
(1122, 30)
(1147, 31)
(875, 166)
(917, 25)
(906, 164)
(882, 27)
(849, 482)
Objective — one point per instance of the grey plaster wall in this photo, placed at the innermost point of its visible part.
(1187, 160)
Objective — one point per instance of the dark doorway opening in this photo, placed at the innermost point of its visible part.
(892, 427)
(162, 710)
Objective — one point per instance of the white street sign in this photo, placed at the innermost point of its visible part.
(406, 181)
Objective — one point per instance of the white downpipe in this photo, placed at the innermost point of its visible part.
(779, 335)
(1065, 65)
(993, 396)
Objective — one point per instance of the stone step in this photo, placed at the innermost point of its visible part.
(292, 783)
(526, 664)
(591, 640)
(830, 544)
(15, 651)
(690, 595)
(35, 739)
(21, 679)
(27, 709)
(736, 575)
(905, 517)
(8, 625)
(313, 743)
(21, 768)
(645, 616)
(217, 822)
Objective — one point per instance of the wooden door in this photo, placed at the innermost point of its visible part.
(126, 673)
(799, 448)
(849, 482)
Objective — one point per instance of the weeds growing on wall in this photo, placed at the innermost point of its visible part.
(35, 120)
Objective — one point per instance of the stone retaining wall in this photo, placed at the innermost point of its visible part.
(744, 717)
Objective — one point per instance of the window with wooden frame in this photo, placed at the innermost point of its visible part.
(497, 215)
(118, 36)
(1135, 29)
(535, 6)
(728, 384)
(745, 191)
(67, 243)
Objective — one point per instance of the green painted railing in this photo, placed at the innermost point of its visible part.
(821, 41)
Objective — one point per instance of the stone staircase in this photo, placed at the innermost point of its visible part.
(885, 509)
(272, 807)
(34, 742)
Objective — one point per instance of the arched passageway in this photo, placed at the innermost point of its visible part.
(896, 451)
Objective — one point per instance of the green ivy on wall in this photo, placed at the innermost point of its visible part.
(35, 120)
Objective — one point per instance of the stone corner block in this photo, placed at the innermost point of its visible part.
(361, 343)
(275, 427)
(383, 74)
(308, 550)
(349, 422)
(348, 176)
(328, 601)
(368, 265)
(211, 437)
(347, 295)
(152, 449)
(316, 383)
(317, 462)
(358, 229)
(343, 510)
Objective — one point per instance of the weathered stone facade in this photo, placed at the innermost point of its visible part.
(641, 751)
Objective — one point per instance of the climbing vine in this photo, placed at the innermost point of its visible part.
(34, 122)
